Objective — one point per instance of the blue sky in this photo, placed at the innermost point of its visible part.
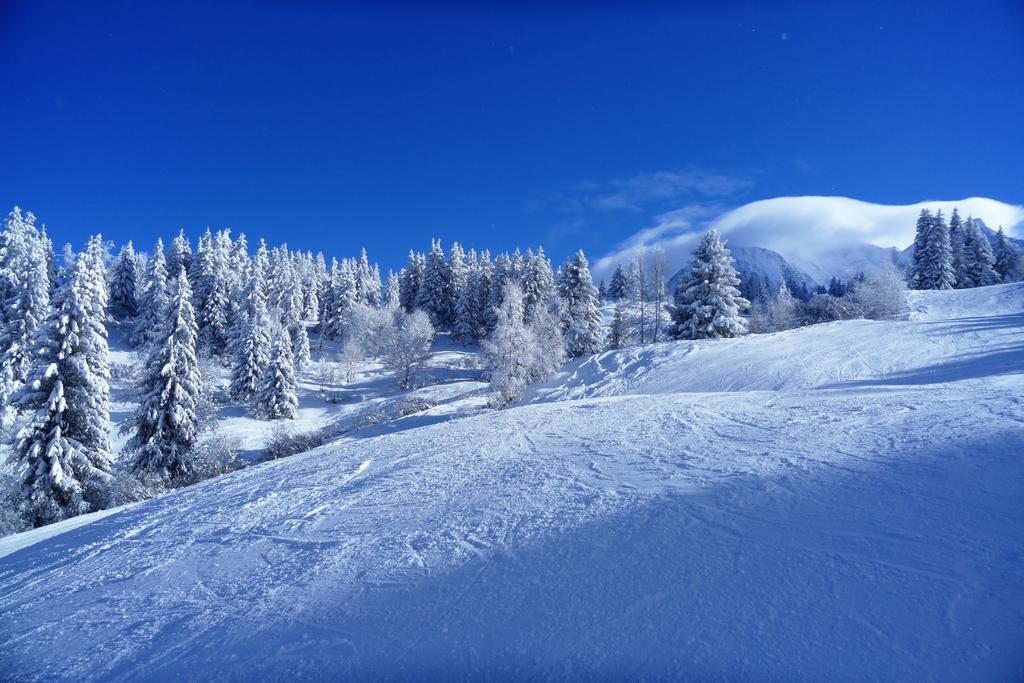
(333, 126)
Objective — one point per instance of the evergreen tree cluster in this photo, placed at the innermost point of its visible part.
(959, 254)
(462, 293)
(248, 311)
(55, 369)
(554, 315)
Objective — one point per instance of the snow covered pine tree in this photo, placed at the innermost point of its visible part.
(276, 396)
(252, 353)
(509, 350)
(24, 298)
(581, 319)
(707, 301)
(1005, 258)
(618, 288)
(63, 472)
(153, 301)
(519, 352)
(978, 259)
(166, 423)
(932, 266)
(124, 279)
(435, 294)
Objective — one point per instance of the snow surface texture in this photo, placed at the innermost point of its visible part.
(840, 502)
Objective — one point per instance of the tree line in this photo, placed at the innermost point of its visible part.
(252, 312)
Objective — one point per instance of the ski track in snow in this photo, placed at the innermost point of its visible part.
(841, 502)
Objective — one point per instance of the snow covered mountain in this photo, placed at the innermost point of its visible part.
(845, 262)
(835, 502)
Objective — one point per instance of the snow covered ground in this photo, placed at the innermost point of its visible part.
(836, 502)
(950, 336)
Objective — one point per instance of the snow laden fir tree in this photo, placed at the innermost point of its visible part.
(167, 423)
(619, 287)
(435, 292)
(252, 349)
(91, 274)
(581, 320)
(212, 292)
(25, 286)
(63, 450)
(932, 266)
(978, 259)
(1005, 258)
(276, 395)
(124, 279)
(179, 255)
(707, 301)
(153, 302)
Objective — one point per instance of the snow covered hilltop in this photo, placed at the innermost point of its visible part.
(841, 501)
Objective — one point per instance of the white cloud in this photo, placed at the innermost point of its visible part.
(662, 186)
(644, 191)
(803, 228)
(675, 233)
(798, 223)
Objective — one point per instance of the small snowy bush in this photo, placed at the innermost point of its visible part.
(132, 486)
(283, 442)
(328, 377)
(414, 405)
(214, 455)
(371, 417)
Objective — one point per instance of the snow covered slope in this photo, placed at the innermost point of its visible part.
(948, 338)
(857, 517)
